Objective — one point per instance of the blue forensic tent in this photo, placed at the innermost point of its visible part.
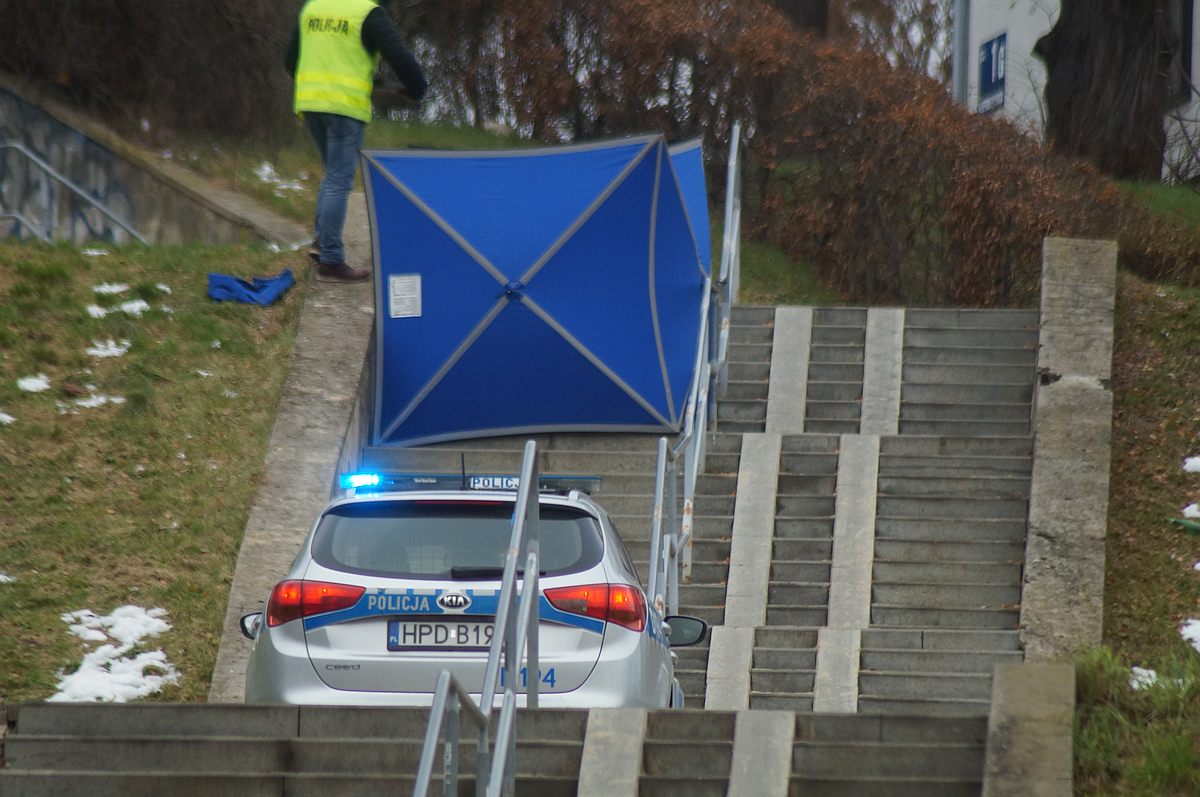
(517, 291)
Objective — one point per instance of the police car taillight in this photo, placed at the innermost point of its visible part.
(294, 599)
(614, 603)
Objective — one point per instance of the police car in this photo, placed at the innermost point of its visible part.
(400, 580)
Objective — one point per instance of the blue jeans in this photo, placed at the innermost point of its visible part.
(338, 140)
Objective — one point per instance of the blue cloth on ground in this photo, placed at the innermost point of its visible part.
(261, 290)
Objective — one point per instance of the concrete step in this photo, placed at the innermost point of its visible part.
(924, 338)
(636, 528)
(995, 486)
(799, 638)
(976, 596)
(779, 594)
(975, 551)
(703, 572)
(967, 374)
(811, 464)
(951, 507)
(812, 616)
(834, 391)
(806, 483)
(719, 462)
(929, 707)
(834, 372)
(832, 410)
(929, 661)
(803, 550)
(804, 506)
(742, 427)
(954, 318)
(681, 786)
(805, 528)
(742, 391)
(1016, 393)
(229, 755)
(940, 640)
(782, 681)
(962, 467)
(710, 726)
(815, 426)
(785, 658)
(691, 658)
(787, 701)
(943, 446)
(692, 681)
(799, 572)
(985, 355)
(976, 428)
(852, 786)
(720, 443)
(750, 372)
(936, 530)
(850, 352)
(910, 729)
(760, 332)
(964, 411)
(811, 444)
(917, 617)
(752, 315)
(967, 574)
(743, 410)
(945, 760)
(746, 352)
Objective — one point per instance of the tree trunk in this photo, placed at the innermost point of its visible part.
(1107, 64)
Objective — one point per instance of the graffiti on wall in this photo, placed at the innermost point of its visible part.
(33, 203)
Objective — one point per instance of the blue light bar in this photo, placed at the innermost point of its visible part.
(379, 482)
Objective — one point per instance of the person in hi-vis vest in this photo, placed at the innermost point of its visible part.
(333, 55)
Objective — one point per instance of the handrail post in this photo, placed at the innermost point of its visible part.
(656, 525)
(450, 753)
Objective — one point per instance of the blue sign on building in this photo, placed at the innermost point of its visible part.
(991, 73)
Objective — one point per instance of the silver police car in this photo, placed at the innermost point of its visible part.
(391, 588)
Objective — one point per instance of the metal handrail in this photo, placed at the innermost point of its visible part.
(70, 185)
(514, 636)
(671, 542)
(446, 711)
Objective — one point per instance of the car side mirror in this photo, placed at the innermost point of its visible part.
(251, 623)
(685, 630)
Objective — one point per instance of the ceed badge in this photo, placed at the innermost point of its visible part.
(454, 601)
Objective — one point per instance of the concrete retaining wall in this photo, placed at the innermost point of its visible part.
(163, 202)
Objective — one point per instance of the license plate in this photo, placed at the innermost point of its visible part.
(439, 635)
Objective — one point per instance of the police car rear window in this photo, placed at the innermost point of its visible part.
(435, 539)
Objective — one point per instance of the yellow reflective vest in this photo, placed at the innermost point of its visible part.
(334, 72)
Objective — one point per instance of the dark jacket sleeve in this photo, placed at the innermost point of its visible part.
(291, 56)
(379, 35)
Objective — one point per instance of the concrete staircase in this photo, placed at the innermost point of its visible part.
(947, 510)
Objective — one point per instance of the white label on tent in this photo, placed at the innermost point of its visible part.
(404, 295)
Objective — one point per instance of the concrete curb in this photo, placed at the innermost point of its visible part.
(762, 753)
(1029, 731)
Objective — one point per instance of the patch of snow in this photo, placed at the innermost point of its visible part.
(6, 419)
(203, 373)
(164, 288)
(167, 154)
(1142, 678)
(94, 252)
(1190, 631)
(266, 173)
(110, 288)
(134, 307)
(96, 311)
(34, 384)
(108, 348)
(99, 400)
(108, 673)
(1192, 511)
(216, 344)
(5, 578)
(1192, 464)
(272, 247)
(229, 394)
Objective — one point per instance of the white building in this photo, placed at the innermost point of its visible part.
(1003, 76)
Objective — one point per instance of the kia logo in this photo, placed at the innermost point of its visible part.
(453, 601)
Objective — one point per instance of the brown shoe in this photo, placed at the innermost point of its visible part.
(341, 272)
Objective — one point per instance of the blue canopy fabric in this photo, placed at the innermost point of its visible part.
(519, 291)
(688, 159)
